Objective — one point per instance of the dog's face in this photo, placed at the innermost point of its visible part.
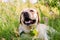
(29, 17)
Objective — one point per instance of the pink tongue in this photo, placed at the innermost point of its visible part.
(27, 21)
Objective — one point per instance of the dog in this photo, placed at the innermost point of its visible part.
(29, 19)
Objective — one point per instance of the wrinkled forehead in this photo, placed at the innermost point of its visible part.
(29, 10)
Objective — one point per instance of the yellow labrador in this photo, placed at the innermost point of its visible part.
(29, 19)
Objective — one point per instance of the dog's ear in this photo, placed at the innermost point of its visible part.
(38, 18)
(20, 18)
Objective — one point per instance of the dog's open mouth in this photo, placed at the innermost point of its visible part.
(29, 22)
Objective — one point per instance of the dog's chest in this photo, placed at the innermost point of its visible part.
(26, 29)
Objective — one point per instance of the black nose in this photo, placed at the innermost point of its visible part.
(26, 16)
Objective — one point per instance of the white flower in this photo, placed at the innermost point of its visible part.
(5, 0)
(24, 1)
(33, 1)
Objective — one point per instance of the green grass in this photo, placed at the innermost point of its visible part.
(9, 22)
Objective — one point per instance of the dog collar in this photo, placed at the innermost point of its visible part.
(22, 33)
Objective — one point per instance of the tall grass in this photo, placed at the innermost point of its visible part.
(10, 13)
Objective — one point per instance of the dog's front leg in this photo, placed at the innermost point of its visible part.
(21, 30)
(45, 36)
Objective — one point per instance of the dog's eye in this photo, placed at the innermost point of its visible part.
(31, 11)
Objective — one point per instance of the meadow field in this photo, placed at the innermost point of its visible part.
(49, 11)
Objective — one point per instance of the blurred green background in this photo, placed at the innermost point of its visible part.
(49, 11)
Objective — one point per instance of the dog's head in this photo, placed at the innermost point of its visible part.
(29, 17)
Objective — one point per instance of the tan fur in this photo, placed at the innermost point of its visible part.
(41, 28)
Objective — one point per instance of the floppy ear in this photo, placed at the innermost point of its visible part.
(38, 18)
(20, 18)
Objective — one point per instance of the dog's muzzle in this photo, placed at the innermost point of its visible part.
(27, 21)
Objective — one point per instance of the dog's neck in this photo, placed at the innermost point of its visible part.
(29, 27)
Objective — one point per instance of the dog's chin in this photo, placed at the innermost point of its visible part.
(29, 22)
